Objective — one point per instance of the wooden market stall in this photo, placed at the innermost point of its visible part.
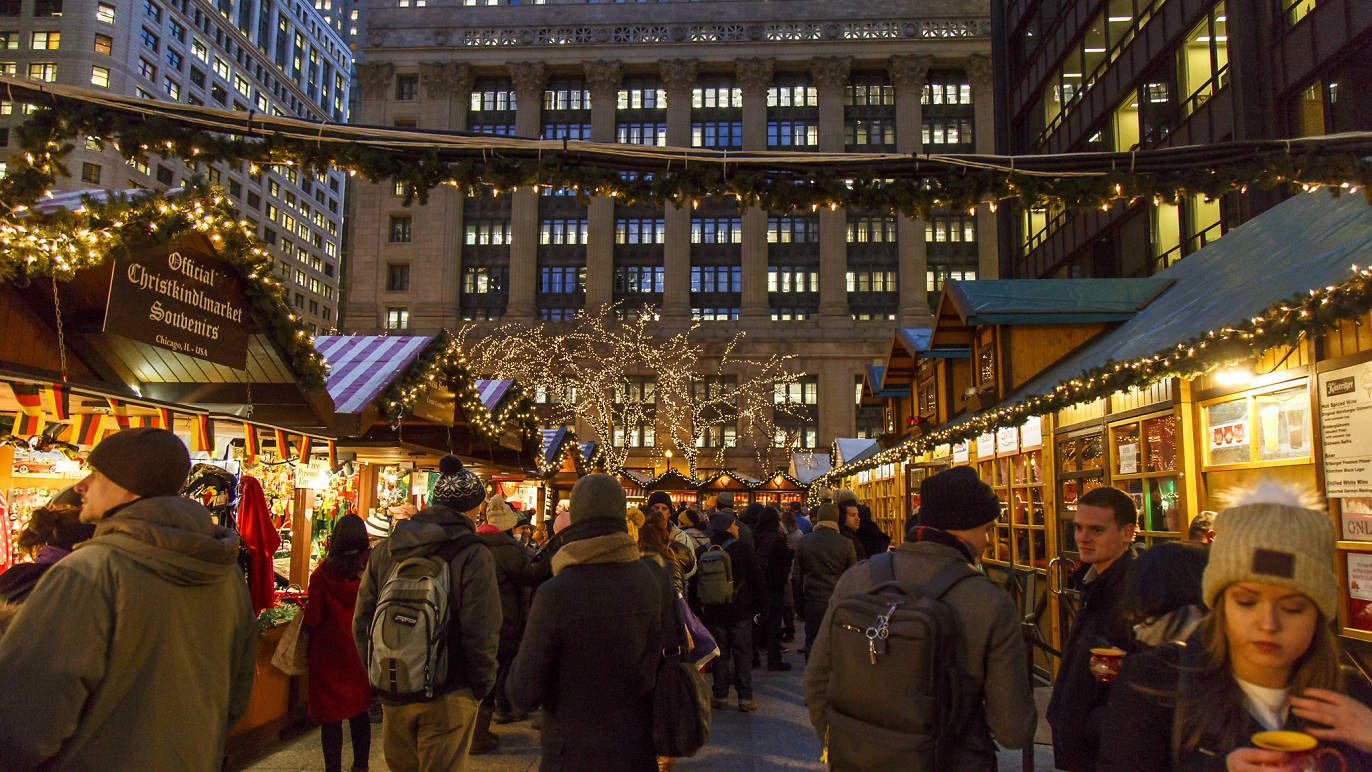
(561, 463)
(779, 490)
(727, 480)
(684, 491)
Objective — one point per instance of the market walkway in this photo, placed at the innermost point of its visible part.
(777, 737)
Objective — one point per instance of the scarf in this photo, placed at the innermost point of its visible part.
(936, 536)
(599, 540)
(827, 524)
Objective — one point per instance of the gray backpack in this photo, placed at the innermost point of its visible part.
(407, 649)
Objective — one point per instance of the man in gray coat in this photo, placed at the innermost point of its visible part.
(822, 555)
(136, 651)
(959, 513)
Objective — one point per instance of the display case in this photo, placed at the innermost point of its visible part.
(1017, 476)
(1144, 464)
(1081, 468)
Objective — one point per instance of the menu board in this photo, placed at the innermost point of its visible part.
(1360, 590)
(1007, 439)
(986, 445)
(961, 454)
(1031, 433)
(1129, 458)
(1357, 519)
(1346, 420)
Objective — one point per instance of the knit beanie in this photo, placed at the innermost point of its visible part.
(724, 500)
(500, 514)
(659, 497)
(956, 500)
(634, 519)
(721, 522)
(597, 496)
(144, 462)
(1270, 535)
(844, 496)
(457, 487)
(828, 513)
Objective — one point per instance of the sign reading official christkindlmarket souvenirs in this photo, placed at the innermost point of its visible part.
(1346, 420)
(181, 300)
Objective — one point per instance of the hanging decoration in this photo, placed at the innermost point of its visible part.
(1284, 323)
(421, 160)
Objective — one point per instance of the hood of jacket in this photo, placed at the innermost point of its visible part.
(173, 537)
(422, 533)
(609, 548)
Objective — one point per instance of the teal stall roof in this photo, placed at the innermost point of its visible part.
(1052, 301)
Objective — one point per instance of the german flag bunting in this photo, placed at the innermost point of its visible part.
(166, 419)
(333, 456)
(303, 447)
(119, 410)
(283, 445)
(27, 425)
(26, 394)
(250, 442)
(202, 433)
(56, 401)
(87, 431)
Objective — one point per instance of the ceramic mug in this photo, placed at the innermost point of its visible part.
(1303, 748)
(1105, 663)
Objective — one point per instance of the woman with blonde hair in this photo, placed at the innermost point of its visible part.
(1264, 659)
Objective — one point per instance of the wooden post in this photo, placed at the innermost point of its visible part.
(366, 489)
(300, 539)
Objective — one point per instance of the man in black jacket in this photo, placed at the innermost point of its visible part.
(1104, 530)
(731, 623)
(822, 555)
(592, 641)
(437, 733)
(513, 573)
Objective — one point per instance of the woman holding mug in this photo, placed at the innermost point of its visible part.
(1264, 659)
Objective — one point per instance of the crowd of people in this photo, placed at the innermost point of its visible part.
(131, 638)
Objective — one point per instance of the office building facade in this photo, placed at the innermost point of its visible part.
(798, 76)
(1123, 75)
(276, 57)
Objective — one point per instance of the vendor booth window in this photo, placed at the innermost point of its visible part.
(1144, 464)
(1081, 468)
(1267, 427)
(1017, 477)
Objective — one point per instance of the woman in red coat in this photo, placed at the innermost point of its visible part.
(338, 686)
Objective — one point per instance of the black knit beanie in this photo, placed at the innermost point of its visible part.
(659, 497)
(144, 462)
(457, 487)
(956, 500)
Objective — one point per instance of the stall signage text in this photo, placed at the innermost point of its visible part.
(1230, 435)
(1357, 519)
(1031, 433)
(1346, 420)
(986, 445)
(1007, 439)
(181, 301)
(961, 455)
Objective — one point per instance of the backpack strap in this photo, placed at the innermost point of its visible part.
(882, 568)
(947, 578)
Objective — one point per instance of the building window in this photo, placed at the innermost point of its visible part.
(153, 10)
(792, 133)
(488, 233)
(871, 281)
(789, 279)
(46, 41)
(947, 131)
(104, 12)
(100, 76)
(397, 277)
(874, 131)
(493, 99)
(482, 280)
(90, 173)
(717, 134)
(640, 231)
(717, 230)
(641, 134)
(104, 44)
(714, 97)
(10, 40)
(961, 228)
(799, 95)
(716, 278)
(797, 423)
(642, 99)
(869, 94)
(948, 93)
(557, 232)
(401, 230)
(561, 279)
(638, 278)
(43, 71)
(149, 39)
(164, 175)
(172, 88)
(147, 69)
(571, 131)
(566, 99)
(863, 230)
(47, 7)
(406, 87)
(396, 318)
(792, 230)
(937, 275)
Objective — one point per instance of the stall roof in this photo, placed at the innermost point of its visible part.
(362, 366)
(492, 392)
(915, 339)
(1052, 301)
(551, 444)
(875, 385)
(850, 449)
(805, 467)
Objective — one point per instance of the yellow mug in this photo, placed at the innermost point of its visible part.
(1304, 749)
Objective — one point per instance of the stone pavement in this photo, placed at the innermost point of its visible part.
(776, 737)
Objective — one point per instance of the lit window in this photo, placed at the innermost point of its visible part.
(104, 44)
(43, 71)
(104, 13)
(46, 41)
(100, 76)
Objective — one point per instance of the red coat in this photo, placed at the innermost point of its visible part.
(261, 540)
(338, 686)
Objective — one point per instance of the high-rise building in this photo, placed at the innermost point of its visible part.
(799, 76)
(274, 57)
(1123, 75)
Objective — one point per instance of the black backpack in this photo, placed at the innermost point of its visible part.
(896, 693)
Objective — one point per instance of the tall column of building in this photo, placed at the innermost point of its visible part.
(831, 78)
(602, 80)
(528, 80)
(983, 105)
(908, 73)
(754, 78)
(364, 202)
(436, 278)
(678, 78)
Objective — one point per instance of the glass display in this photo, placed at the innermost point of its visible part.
(1226, 433)
(1160, 434)
(1127, 451)
(1164, 505)
(1283, 430)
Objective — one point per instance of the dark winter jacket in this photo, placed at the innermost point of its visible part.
(749, 595)
(19, 580)
(1143, 698)
(874, 541)
(513, 572)
(134, 652)
(1078, 698)
(774, 555)
(589, 655)
(823, 555)
(474, 634)
(991, 656)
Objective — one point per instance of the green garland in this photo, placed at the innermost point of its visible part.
(1284, 323)
(34, 245)
(906, 188)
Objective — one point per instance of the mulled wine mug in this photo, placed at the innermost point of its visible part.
(1303, 748)
(1105, 663)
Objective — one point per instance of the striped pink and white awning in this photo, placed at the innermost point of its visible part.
(362, 366)
(492, 391)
